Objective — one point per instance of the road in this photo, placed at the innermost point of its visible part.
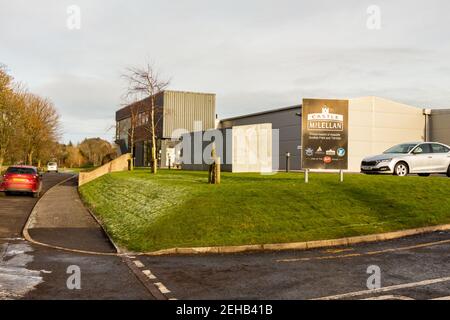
(416, 267)
(411, 268)
(29, 271)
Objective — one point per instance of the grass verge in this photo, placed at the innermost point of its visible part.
(144, 212)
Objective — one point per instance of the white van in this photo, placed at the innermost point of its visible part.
(52, 167)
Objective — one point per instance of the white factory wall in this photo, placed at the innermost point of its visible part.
(375, 124)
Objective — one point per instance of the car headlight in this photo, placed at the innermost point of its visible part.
(384, 160)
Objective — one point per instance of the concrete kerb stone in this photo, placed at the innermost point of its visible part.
(301, 245)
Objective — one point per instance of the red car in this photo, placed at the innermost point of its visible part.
(22, 179)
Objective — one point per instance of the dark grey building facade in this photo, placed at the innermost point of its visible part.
(287, 121)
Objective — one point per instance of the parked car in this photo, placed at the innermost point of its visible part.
(22, 179)
(52, 167)
(422, 158)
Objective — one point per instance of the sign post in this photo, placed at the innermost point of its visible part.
(325, 135)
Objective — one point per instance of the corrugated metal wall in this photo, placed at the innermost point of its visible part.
(440, 126)
(183, 109)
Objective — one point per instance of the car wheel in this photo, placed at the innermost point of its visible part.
(424, 174)
(401, 169)
(448, 172)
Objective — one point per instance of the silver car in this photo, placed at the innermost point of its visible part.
(422, 158)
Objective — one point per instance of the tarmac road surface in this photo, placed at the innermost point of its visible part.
(416, 267)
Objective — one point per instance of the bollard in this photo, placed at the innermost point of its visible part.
(341, 175)
(288, 162)
(306, 175)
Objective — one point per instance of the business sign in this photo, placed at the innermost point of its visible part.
(324, 134)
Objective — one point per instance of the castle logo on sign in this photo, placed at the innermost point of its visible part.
(326, 121)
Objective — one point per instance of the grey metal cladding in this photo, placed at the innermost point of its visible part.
(183, 109)
(440, 125)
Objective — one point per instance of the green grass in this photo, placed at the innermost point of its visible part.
(144, 212)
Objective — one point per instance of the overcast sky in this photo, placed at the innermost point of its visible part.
(254, 54)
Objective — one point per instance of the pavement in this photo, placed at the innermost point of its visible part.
(416, 267)
(60, 219)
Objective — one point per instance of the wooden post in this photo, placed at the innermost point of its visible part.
(217, 171)
(214, 169)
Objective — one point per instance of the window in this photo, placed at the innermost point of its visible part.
(20, 170)
(423, 148)
(439, 148)
(401, 148)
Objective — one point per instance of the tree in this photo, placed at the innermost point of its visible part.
(41, 128)
(146, 82)
(97, 151)
(131, 131)
(8, 118)
(74, 157)
(29, 124)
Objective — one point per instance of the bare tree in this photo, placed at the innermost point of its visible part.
(146, 82)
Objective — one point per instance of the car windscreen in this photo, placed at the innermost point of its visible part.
(52, 163)
(401, 148)
(18, 170)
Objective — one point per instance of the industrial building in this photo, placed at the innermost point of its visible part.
(176, 112)
(374, 125)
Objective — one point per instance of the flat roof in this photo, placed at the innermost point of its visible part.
(298, 106)
(445, 111)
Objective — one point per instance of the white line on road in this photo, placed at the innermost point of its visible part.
(369, 253)
(442, 298)
(390, 297)
(149, 274)
(385, 289)
(162, 288)
(138, 263)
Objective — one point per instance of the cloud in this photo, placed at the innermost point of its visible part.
(254, 54)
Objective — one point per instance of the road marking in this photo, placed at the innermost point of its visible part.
(12, 239)
(386, 289)
(442, 298)
(149, 274)
(338, 250)
(162, 288)
(423, 245)
(138, 263)
(390, 297)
